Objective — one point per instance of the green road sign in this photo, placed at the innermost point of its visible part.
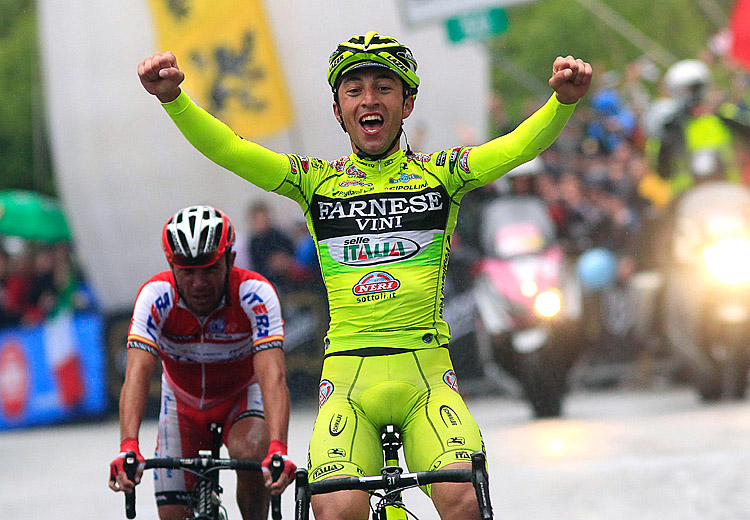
(477, 25)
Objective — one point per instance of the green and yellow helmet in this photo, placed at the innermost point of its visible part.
(373, 50)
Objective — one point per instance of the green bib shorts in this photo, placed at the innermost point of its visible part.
(417, 391)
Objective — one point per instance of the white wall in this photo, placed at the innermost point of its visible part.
(123, 168)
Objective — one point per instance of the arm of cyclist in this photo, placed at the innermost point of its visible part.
(271, 371)
(161, 77)
(570, 80)
(141, 366)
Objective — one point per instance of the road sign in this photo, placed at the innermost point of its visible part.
(422, 11)
(477, 25)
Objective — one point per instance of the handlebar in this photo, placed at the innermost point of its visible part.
(390, 481)
(202, 464)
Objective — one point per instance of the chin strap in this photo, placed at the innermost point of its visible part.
(409, 153)
(227, 292)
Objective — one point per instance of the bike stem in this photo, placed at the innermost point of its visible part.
(215, 430)
(391, 441)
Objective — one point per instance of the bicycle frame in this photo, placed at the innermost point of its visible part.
(206, 467)
(392, 481)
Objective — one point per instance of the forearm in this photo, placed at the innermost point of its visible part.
(276, 410)
(141, 366)
(220, 144)
(133, 400)
(271, 371)
(497, 157)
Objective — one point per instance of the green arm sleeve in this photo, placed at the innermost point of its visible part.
(497, 157)
(219, 143)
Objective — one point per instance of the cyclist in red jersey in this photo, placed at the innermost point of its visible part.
(218, 332)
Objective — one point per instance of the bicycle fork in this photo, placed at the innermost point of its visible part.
(207, 489)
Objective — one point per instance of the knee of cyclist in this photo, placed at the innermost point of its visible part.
(253, 449)
(343, 505)
(455, 500)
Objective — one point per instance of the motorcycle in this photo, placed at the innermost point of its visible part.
(527, 300)
(707, 288)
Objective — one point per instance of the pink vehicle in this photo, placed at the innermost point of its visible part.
(528, 300)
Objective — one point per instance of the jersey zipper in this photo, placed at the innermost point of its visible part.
(202, 322)
(203, 364)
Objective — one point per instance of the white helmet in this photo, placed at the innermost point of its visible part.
(686, 75)
(530, 168)
(658, 114)
(197, 236)
(706, 163)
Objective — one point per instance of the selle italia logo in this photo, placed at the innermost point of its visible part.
(362, 251)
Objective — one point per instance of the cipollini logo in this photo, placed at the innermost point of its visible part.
(355, 172)
(376, 282)
(463, 162)
(451, 380)
(304, 162)
(324, 391)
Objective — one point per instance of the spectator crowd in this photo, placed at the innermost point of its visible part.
(38, 280)
(617, 167)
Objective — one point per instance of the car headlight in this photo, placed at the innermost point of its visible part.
(548, 303)
(729, 261)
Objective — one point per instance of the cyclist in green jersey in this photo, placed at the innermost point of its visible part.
(382, 220)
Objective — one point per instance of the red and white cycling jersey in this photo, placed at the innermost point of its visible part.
(207, 360)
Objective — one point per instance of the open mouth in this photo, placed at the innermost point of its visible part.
(371, 123)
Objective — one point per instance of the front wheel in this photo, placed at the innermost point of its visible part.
(709, 386)
(726, 376)
(544, 383)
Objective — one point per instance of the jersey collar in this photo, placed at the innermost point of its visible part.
(392, 163)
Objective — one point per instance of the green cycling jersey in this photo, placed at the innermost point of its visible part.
(382, 228)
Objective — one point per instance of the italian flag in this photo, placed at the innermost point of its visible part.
(739, 25)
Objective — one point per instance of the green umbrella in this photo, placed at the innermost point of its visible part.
(32, 216)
